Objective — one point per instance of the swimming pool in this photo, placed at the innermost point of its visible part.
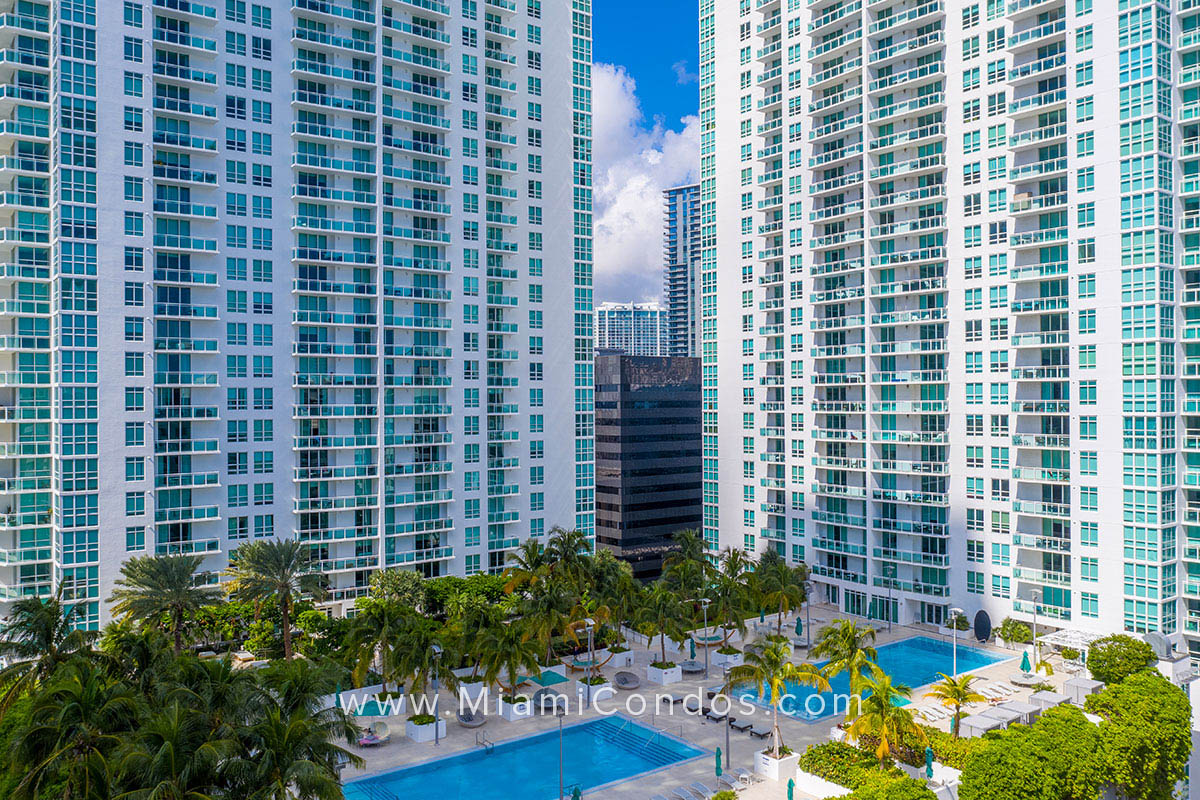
(597, 752)
(913, 662)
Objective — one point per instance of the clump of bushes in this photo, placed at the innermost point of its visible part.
(1114, 658)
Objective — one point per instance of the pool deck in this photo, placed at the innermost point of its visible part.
(402, 752)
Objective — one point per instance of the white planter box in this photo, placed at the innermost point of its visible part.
(664, 676)
(516, 711)
(600, 692)
(777, 769)
(818, 787)
(730, 660)
(622, 659)
(425, 733)
(470, 691)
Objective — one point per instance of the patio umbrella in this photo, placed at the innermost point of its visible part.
(718, 762)
(1025, 662)
(791, 787)
(692, 648)
(799, 626)
(928, 762)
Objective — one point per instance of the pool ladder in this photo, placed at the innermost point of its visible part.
(481, 740)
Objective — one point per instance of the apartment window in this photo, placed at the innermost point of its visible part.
(1087, 321)
(1087, 285)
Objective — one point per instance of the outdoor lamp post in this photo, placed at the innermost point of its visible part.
(437, 660)
(562, 712)
(1037, 601)
(590, 627)
(954, 615)
(808, 588)
(889, 572)
(704, 601)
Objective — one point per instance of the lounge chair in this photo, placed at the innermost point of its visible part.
(673, 699)
(469, 718)
(714, 716)
(626, 680)
(725, 782)
(761, 731)
(683, 793)
(693, 706)
(744, 725)
(745, 775)
(701, 790)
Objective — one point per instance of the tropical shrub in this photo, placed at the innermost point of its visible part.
(422, 719)
(1146, 734)
(858, 769)
(899, 789)
(1114, 658)
(1013, 630)
(1069, 654)
(1056, 758)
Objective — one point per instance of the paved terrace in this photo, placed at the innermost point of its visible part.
(797, 734)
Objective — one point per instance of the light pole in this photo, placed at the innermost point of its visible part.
(437, 721)
(590, 627)
(889, 572)
(954, 614)
(808, 587)
(704, 601)
(1037, 601)
(561, 713)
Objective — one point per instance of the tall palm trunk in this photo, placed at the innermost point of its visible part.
(177, 630)
(285, 602)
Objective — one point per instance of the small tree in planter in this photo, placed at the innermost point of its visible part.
(770, 668)
(506, 648)
(1013, 631)
(662, 612)
(955, 692)
(879, 717)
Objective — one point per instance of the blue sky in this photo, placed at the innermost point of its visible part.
(654, 40)
(646, 135)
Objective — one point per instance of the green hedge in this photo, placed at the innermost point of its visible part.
(847, 765)
(946, 749)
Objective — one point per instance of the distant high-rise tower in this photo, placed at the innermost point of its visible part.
(681, 269)
(636, 329)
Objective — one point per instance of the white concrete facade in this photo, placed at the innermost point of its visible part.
(948, 294)
(312, 269)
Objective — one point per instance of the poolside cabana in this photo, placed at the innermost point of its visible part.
(1027, 712)
(1007, 716)
(978, 725)
(1079, 687)
(1046, 699)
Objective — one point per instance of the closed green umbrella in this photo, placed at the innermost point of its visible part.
(762, 615)
(1025, 662)
(929, 761)
(718, 762)
(576, 793)
(799, 627)
(791, 787)
(692, 648)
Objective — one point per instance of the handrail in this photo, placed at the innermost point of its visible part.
(481, 740)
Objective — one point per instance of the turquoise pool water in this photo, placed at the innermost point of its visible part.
(596, 753)
(914, 662)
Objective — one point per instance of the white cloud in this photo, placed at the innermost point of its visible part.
(682, 76)
(634, 161)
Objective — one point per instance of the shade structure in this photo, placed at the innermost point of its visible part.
(1079, 687)
(1044, 700)
(978, 724)
(1007, 716)
(1027, 712)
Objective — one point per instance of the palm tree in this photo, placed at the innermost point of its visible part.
(505, 648)
(39, 636)
(566, 555)
(663, 611)
(849, 648)
(274, 569)
(544, 613)
(374, 639)
(526, 565)
(730, 589)
(416, 659)
(151, 587)
(770, 669)
(782, 587)
(75, 727)
(955, 692)
(172, 756)
(688, 567)
(880, 718)
(290, 755)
